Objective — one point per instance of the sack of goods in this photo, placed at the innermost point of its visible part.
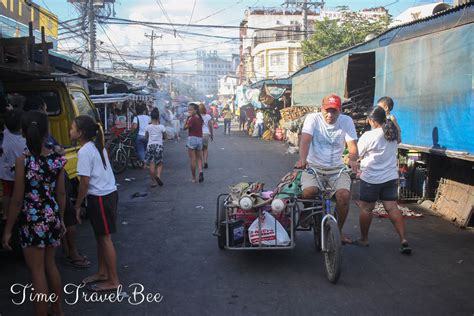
(265, 230)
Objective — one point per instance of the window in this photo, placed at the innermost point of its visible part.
(277, 59)
(299, 59)
(51, 98)
(82, 104)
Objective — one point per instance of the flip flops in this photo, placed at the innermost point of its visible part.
(405, 249)
(80, 263)
(360, 243)
(201, 177)
(96, 288)
(158, 180)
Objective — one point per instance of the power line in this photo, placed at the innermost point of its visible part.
(128, 21)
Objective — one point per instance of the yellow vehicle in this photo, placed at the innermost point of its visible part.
(64, 103)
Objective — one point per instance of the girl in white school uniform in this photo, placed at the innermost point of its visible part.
(97, 184)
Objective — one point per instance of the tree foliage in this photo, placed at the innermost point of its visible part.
(331, 36)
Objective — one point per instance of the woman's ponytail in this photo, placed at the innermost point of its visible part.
(390, 131)
(100, 143)
(91, 130)
(35, 130)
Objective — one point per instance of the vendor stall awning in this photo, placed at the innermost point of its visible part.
(310, 88)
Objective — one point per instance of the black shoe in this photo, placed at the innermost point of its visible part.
(205, 165)
(158, 180)
(405, 249)
(201, 177)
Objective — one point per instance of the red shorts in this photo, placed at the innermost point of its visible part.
(8, 187)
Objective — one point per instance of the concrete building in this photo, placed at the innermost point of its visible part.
(271, 39)
(227, 86)
(419, 12)
(209, 67)
(15, 16)
(271, 42)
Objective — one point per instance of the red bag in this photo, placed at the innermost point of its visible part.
(216, 126)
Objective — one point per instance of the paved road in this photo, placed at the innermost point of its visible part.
(165, 243)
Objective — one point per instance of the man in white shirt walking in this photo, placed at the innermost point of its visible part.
(323, 140)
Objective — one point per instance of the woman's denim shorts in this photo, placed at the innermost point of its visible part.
(194, 143)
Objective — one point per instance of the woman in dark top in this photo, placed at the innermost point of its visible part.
(194, 124)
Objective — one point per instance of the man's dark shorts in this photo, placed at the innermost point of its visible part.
(387, 191)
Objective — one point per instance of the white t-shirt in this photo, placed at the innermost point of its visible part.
(379, 157)
(155, 134)
(259, 118)
(89, 164)
(144, 121)
(205, 126)
(14, 145)
(329, 140)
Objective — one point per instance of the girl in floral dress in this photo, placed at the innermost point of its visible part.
(38, 204)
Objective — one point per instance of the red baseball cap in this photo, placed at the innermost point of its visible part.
(331, 101)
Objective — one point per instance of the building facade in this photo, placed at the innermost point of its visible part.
(209, 67)
(270, 42)
(15, 15)
(270, 39)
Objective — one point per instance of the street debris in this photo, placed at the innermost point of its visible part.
(292, 150)
(124, 223)
(380, 211)
(138, 194)
(200, 207)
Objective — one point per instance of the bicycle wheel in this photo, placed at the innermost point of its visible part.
(332, 255)
(221, 238)
(119, 161)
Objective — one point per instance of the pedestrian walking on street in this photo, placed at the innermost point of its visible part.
(227, 114)
(38, 204)
(139, 123)
(207, 133)
(242, 118)
(98, 186)
(379, 176)
(194, 125)
(154, 152)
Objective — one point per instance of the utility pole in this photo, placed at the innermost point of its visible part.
(305, 19)
(92, 35)
(150, 73)
(306, 5)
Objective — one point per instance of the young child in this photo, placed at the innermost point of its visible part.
(38, 203)
(154, 152)
(14, 145)
(386, 103)
(98, 185)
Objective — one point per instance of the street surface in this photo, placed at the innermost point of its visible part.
(164, 242)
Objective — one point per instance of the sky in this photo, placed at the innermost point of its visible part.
(134, 47)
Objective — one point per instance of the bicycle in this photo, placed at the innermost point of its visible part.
(327, 236)
(123, 154)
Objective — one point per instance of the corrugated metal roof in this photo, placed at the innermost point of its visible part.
(444, 20)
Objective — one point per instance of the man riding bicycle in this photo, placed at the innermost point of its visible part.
(323, 140)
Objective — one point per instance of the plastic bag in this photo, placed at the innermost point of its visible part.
(267, 234)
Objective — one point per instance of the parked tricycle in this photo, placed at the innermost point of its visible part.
(249, 218)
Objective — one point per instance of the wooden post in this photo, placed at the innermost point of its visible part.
(44, 49)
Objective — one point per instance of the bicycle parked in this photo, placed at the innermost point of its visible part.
(123, 153)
